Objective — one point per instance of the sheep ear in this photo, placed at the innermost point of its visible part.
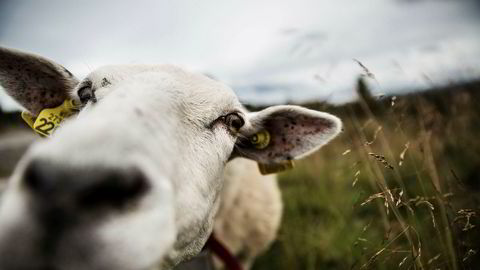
(33, 81)
(282, 133)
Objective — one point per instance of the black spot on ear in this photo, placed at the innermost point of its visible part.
(105, 82)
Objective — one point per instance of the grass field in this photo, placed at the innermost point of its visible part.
(399, 189)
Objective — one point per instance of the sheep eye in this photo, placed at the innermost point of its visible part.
(86, 93)
(234, 121)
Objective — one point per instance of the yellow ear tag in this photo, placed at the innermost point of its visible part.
(28, 118)
(48, 120)
(275, 167)
(261, 139)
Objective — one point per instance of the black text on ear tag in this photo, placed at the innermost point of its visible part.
(49, 119)
(268, 168)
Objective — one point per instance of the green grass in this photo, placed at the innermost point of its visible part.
(352, 206)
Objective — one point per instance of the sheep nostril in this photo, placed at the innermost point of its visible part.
(115, 188)
(87, 187)
(36, 177)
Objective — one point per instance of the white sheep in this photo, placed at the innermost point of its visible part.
(134, 180)
(250, 211)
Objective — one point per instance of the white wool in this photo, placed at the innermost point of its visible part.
(250, 211)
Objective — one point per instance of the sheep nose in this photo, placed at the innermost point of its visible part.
(86, 187)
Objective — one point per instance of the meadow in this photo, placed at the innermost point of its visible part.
(398, 189)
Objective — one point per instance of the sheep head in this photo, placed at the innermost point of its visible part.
(133, 179)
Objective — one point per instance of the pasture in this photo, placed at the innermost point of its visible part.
(399, 189)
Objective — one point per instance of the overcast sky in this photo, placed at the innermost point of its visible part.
(268, 51)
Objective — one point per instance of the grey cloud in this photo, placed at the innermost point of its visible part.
(268, 50)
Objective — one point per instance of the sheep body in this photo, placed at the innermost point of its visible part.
(250, 211)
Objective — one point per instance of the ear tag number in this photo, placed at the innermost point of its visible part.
(275, 167)
(261, 139)
(49, 120)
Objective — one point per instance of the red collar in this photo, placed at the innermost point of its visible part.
(217, 248)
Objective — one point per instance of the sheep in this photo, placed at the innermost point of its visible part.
(133, 180)
(250, 211)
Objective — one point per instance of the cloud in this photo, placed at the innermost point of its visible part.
(296, 50)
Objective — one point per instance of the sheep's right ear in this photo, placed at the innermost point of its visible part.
(33, 81)
(280, 134)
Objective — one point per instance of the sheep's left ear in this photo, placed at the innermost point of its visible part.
(282, 133)
(33, 81)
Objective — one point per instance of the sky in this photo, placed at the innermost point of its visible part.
(268, 51)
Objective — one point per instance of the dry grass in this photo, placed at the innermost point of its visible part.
(398, 190)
